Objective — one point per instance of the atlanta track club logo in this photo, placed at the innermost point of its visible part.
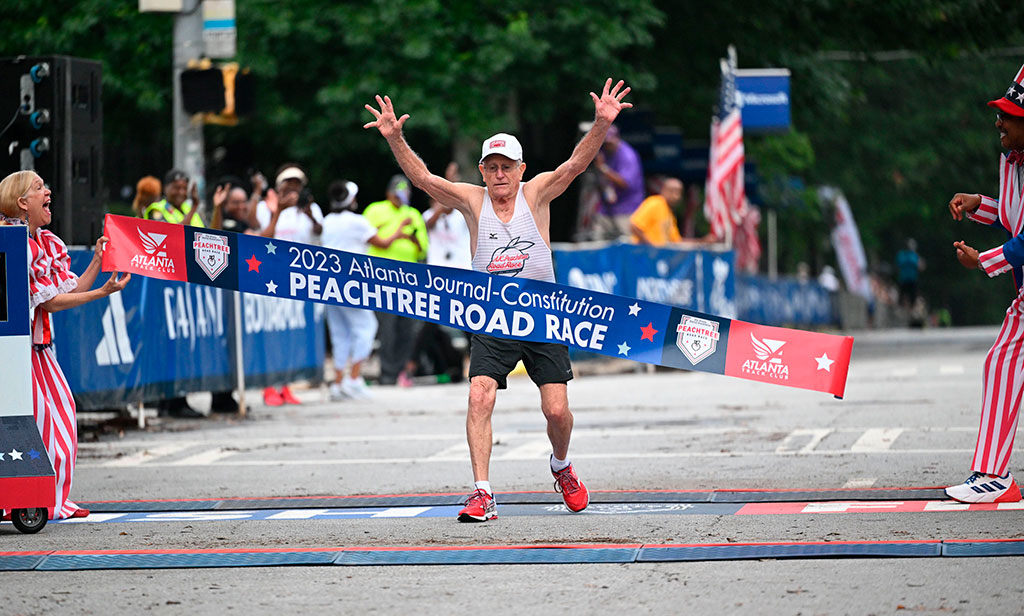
(155, 259)
(212, 252)
(697, 338)
(510, 259)
(769, 359)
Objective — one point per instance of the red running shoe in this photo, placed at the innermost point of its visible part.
(574, 493)
(287, 396)
(271, 397)
(80, 513)
(480, 507)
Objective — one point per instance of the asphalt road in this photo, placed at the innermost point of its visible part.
(909, 418)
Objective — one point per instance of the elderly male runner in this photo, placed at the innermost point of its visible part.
(510, 212)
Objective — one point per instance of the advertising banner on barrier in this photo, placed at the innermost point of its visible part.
(785, 301)
(162, 338)
(503, 306)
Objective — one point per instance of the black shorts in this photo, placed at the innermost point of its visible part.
(546, 362)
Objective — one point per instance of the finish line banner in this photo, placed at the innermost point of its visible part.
(503, 306)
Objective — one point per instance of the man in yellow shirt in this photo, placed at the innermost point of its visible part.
(653, 222)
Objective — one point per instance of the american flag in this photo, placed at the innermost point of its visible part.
(725, 203)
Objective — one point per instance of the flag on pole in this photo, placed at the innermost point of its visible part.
(725, 203)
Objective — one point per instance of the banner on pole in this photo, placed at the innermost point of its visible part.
(503, 306)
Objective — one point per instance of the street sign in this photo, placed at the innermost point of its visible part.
(219, 32)
(764, 99)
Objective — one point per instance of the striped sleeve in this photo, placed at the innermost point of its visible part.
(1003, 258)
(987, 213)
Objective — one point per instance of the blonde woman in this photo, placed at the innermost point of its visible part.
(25, 200)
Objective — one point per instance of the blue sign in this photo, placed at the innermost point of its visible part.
(783, 302)
(764, 99)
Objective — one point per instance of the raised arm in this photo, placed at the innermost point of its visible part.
(451, 194)
(547, 186)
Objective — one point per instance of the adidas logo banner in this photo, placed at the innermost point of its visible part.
(503, 306)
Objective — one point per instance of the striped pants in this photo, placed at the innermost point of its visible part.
(54, 410)
(1002, 384)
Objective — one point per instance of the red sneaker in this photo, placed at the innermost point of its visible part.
(480, 507)
(271, 397)
(80, 513)
(287, 396)
(574, 493)
(6, 517)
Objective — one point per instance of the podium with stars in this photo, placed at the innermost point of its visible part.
(26, 476)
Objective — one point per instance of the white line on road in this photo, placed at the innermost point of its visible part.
(204, 457)
(876, 440)
(146, 455)
(859, 482)
(816, 436)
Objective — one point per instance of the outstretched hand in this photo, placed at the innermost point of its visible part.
(115, 283)
(609, 104)
(963, 203)
(386, 121)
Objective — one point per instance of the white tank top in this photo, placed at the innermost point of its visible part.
(515, 248)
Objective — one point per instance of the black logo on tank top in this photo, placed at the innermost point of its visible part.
(510, 259)
(493, 236)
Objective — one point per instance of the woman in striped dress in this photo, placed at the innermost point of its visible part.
(25, 199)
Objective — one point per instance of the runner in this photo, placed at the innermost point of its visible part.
(1002, 378)
(509, 235)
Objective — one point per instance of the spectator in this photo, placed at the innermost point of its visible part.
(653, 222)
(622, 180)
(147, 190)
(352, 329)
(299, 224)
(234, 210)
(909, 265)
(175, 207)
(397, 333)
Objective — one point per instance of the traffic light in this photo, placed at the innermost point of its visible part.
(52, 109)
(222, 94)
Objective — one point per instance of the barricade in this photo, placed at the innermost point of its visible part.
(158, 339)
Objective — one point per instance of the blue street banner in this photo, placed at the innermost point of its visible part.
(503, 306)
(763, 96)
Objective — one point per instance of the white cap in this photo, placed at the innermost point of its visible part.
(503, 144)
(291, 173)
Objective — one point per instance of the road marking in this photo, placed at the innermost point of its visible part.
(147, 455)
(816, 436)
(205, 457)
(957, 369)
(876, 440)
(904, 372)
(530, 450)
(859, 482)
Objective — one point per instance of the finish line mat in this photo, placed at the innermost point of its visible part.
(522, 498)
(78, 560)
(498, 304)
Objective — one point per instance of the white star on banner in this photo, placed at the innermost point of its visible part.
(15, 454)
(624, 349)
(271, 248)
(1020, 96)
(634, 309)
(272, 287)
(1, 457)
(824, 363)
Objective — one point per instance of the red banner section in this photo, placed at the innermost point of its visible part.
(147, 247)
(789, 357)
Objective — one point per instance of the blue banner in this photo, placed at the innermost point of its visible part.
(763, 95)
(786, 301)
(158, 339)
(701, 280)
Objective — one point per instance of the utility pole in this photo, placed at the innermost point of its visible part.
(188, 135)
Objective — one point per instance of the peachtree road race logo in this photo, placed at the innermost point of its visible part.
(769, 359)
(697, 338)
(155, 259)
(509, 260)
(497, 143)
(212, 253)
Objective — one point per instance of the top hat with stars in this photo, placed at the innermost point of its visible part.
(1013, 101)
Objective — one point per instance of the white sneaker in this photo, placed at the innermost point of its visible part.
(356, 389)
(982, 488)
(336, 392)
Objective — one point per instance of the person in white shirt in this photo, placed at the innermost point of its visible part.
(352, 330)
(294, 217)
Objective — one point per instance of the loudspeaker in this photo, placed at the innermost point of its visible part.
(55, 107)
